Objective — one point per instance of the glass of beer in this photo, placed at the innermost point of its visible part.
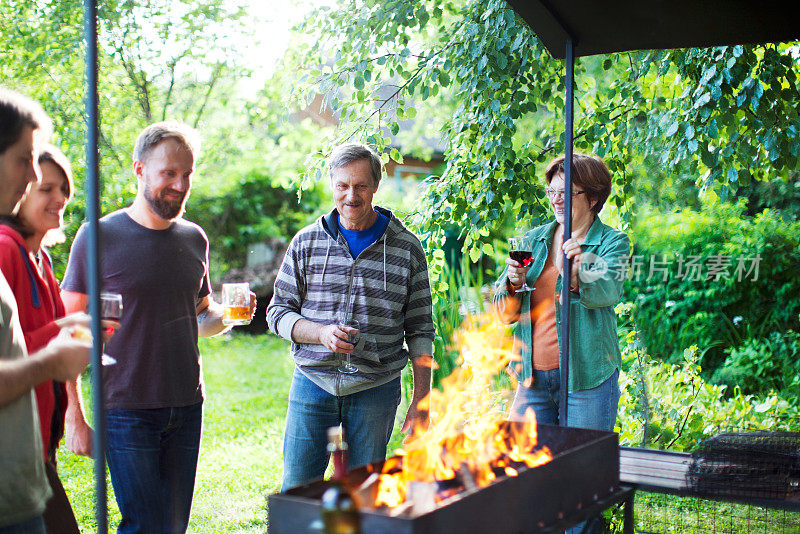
(236, 300)
(353, 329)
(519, 250)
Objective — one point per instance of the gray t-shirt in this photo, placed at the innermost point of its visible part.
(23, 485)
(160, 275)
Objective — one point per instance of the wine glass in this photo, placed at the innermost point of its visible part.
(519, 250)
(353, 329)
(110, 310)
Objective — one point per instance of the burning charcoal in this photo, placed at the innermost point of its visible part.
(422, 495)
(466, 477)
(367, 492)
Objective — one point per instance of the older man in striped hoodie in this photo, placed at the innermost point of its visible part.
(357, 262)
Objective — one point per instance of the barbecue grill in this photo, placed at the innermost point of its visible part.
(582, 478)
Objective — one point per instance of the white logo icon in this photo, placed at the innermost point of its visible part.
(593, 267)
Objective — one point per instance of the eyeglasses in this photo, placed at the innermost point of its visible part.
(559, 193)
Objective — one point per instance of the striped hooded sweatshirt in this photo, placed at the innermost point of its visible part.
(386, 289)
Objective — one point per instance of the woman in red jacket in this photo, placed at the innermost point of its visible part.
(27, 268)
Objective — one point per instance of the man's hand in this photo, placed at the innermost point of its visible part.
(65, 356)
(78, 435)
(416, 420)
(417, 415)
(252, 305)
(334, 337)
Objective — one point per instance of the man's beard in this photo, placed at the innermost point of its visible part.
(166, 209)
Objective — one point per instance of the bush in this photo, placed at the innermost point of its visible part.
(771, 363)
(698, 308)
(252, 210)
(672, 407)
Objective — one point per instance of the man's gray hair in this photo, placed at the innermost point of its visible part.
(18, 111)
(186, 136)
(347, 153)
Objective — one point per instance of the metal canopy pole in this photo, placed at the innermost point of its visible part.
(567, 264)
(92, 212)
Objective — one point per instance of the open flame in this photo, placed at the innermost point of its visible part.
(469, 442)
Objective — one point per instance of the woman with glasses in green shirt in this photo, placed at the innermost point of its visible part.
(599, 255)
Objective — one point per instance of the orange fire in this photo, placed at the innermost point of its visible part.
(469, 437)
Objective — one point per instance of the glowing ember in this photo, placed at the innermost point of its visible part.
(469, 440)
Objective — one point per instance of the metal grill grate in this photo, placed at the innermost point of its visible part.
(747, 465)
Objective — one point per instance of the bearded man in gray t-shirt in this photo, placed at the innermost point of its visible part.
(158, 262)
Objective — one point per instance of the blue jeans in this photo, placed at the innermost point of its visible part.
(367, 419)
(594, 408)
(152, 458)
(31, 526)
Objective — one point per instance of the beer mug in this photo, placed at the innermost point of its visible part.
(236, 300)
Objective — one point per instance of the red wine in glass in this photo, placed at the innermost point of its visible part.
(110, 308)
(519, 251)
(523, 257)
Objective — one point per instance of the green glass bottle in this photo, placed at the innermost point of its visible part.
(339, 512)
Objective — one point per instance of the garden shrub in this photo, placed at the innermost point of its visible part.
(671, 406)
(249, 211)
(698, 307)
(771, 363)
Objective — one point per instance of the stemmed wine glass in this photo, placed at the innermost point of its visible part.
(110, 309)
(519, 250)
(353, 329)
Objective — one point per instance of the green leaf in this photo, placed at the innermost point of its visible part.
(475, 254)
(396, 155)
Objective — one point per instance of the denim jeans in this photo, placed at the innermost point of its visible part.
(152, 459)
(594, 408)
(31, 526)
(367, 419)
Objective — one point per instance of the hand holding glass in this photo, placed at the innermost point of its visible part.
(519, 250)
(352, 327)
(236, 300)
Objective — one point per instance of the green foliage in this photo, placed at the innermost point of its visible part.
(459, 296)
(683, 306)
(254, 209)
(672, 407)
(769, 363)
(713, 118)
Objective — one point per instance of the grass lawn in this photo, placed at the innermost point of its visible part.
(247, 385)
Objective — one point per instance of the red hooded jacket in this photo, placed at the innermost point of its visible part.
(39, 303)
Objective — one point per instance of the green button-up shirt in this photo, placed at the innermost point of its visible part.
(594, 349)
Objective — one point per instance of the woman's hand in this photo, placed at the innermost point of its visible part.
(516, 274)
(82, 320)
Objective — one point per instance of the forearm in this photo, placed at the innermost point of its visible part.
(305, 331)
(75, 412)
(17, 377)
(421, 371)
(209, 320)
